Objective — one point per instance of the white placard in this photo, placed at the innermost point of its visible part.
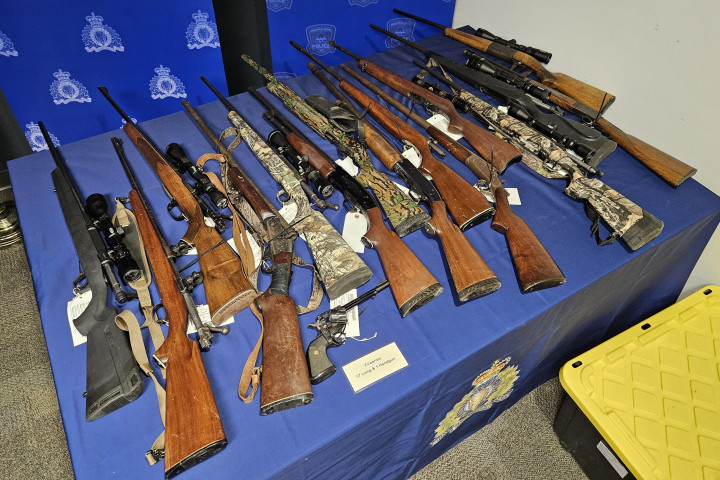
(441, 123)
(352, 327)
(374, 366)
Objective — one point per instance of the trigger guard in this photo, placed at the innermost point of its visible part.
(283, 197)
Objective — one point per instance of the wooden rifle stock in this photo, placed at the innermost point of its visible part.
(193, 429)
(484, 142)
(466, 204)
(227, 288)
(285, 375)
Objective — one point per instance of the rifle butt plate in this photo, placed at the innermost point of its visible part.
(420, 299)
(195, 458)
(287, 403)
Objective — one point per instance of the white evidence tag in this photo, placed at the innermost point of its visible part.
(349, 166)
(289, 212)
(354, 227)
(204, 313)
(352, 327)
(440, 122)
(513, 196)
(411, 154)
(254, 247)
(75, 307)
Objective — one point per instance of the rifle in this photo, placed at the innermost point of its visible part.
(410, 281)
(339, 267)
(538, 54)
(466, 204)
(193, 429)
(227, 288)
(331, 333)
(585, 141)
(484, 142)
(667, 167)
(112, 375)
(404, 214)
(534, 266)
(587, 94)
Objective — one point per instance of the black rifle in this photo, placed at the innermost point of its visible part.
(331, 333)
(540, 55)
(112, 375)
(586, 142)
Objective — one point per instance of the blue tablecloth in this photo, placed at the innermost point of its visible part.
(391, 429)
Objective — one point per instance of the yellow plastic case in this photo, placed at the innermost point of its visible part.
(653, 391)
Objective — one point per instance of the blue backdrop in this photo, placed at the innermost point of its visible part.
(54, 55)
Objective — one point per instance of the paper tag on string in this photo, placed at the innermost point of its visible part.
(412, 155)
(349, 166)
(354, 227)
(513, 196)
(441, 123)
(204, 313)
(75, 308)
(289, 212)
(254, 247)
(352, 327)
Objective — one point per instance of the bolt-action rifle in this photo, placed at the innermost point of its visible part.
(538, 54)
(193, 429)
(411, 282)
(227, 288)
(340, 269)
(404, 214)
(534, 266)
(665, 166)
(112, 375)
(587, 94)
(586, 142)
(633, 224)
(484, 142)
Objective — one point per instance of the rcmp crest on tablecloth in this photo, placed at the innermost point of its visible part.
(362, 3)
(7, 49)
(491, 386)
(319, 38)
(277, 5)
(98, 37)
(202, 32)
(35, 138)
(402, 27)
(65, 90)
(164, 85)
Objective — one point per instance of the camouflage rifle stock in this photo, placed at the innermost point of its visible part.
(404, 214)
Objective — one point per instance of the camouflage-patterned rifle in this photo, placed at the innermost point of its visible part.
(339, 267)
(404, 214)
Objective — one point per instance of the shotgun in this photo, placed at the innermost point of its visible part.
(112, 377)
(227, 288)
(534, 266)
(484, 142)
(193, 429)
(587, 94)
(411, 282)
(404, 214)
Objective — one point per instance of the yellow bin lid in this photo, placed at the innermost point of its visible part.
(653, 392)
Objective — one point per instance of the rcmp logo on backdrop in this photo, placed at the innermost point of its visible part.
(402, 27)
(164, 85)
(277, 5)
(35, 138)
(202, 32)
(6, 46)
(65, 90)
(362, 3)
(98, 37)
(491, 386)
(319, 38)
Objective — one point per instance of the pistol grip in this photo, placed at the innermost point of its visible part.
(319, 363)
